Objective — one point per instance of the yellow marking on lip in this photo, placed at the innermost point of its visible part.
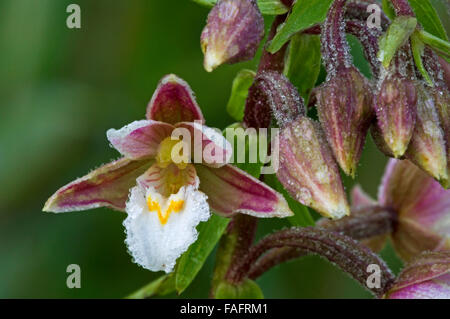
(175, 206)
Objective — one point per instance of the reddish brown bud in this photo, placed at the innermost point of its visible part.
(345, 112)
(427, 148)
(442, 100)
(395, 107)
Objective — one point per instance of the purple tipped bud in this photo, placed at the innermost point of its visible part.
(344, 104)
(308, 170)
(395, 107)
(427, 148)
(426, 277)
(272, 94)
(232, 34)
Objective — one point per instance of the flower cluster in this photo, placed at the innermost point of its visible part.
(166, 190)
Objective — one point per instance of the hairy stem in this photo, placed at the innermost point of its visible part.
(335, 49)
(358, 11)
(367, 37)
(339, 249)
(362, 224)
(269, 61)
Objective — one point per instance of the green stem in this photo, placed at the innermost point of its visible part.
(233, 247)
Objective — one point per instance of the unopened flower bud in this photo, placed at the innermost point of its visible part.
(426, 277)
(308, 170)
(421, 205)
(442, 101)
(427, 148)
(395, 107)
(344, 104)
(232, 34)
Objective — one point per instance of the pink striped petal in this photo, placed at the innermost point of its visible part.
(173, 102)
(422, 205)
(426, 277)
(108, 185)
(208, 146)
(139, 139)
(231, 190)
(360, 199)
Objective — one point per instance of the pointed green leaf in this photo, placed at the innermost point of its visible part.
(417, 49)
(428, 18)
(239, 93)
(305, 13)
(440, 46)
(388, 9)
(192, 261)
(302, 216)
(267, 7)
(396, 36)
(303, 63)
(246, 290)
(160, 287)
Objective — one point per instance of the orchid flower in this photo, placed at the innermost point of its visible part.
(421, 206)
(164, 193)
(427, 276)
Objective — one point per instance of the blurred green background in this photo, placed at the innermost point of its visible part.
(60, 90)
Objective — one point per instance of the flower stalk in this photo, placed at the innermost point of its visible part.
(339, 249)
(365, 223)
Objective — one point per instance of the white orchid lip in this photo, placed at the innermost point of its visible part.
(160, 232)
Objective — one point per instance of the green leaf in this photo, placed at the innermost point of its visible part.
(440, 46)
(192, 261)
(305, 13)
(272, 7)
(303, 63)
(428, 18)
(388, 9)
(267, 7)
(206, 3)
(246, 290)
(396, 36)
(302, 216)
(417, 49)
(160, 287)
(239, 93)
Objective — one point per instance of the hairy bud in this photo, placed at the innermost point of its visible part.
(232, 34)
(427, 148)
(308, 171)
(395, 107)
(344, 104)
